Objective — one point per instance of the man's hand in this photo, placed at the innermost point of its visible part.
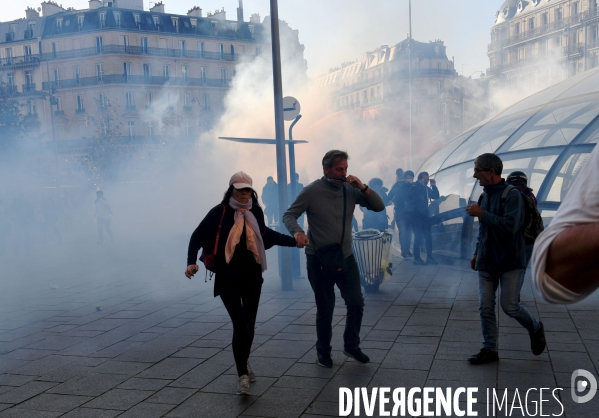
(473, 262)
(474, 210)
(301, 239)
(433, 182)
(191, 270)
(355, 182)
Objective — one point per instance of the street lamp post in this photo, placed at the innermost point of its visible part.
(410, 79)
(285, 254)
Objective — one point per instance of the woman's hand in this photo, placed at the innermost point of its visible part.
(191, 270)
(301, 239)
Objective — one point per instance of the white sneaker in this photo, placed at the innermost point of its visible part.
(243, 386)
(251, 373)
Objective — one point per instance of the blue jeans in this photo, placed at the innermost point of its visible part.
(511, 284)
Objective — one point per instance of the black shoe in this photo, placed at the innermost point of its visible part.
(537, 340)
(325, 360)
(419, 262)
(484, 356)
(357, 355)
(431, 261)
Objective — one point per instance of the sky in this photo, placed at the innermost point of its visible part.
(334, 31)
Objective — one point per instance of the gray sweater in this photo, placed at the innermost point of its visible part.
(323, 204)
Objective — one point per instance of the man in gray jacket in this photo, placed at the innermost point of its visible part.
(500, 258)
(323, 203)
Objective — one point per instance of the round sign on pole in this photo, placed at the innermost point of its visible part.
(291, 108)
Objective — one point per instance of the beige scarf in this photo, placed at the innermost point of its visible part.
(245, 218)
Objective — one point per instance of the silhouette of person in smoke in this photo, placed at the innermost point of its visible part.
(103, 215)
(270, 198)
(372, 219)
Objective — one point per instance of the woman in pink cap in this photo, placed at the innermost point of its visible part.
(243, 238)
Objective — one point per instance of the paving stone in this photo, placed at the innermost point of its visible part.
(14, 379)
(228, 384)
(91, 384)
(196, 352)
(283, 348)
(119, 399)
(121, 367)
(55, 403)
(279, 402)
(27, 391)
(147, 410)
(212, 405)
(297, 382)
(27, 413)
(144, 384)
(171, 396)
(170, 368)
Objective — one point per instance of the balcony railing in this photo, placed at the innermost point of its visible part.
(59, 112)
(80, 110)
(29, 34)
(135, 79)
(29, 87)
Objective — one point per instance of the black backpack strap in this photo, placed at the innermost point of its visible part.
(505, 192)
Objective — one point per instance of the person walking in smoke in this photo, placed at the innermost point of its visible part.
(399, 195)
(329, 204)
(417, 202)
(237, 227)
(500, 258)
(519, 180)
(372, 219)
(103, 215)
(270, 198)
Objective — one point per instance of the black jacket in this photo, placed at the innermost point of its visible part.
(399, 194)
(242, 269)
(500, 245)
(418, 199)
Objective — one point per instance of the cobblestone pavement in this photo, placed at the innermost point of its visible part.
(115, 332)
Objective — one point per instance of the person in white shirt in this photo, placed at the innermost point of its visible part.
(565, 262)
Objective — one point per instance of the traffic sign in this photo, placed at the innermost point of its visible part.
(291, 108)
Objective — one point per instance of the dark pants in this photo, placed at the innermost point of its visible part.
(404, 228)
(324, 294)
(422, 234)
(242, 306)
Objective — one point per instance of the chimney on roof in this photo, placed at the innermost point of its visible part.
(195, 11)
(158, 8)
(220, 14)
(50, 8)
(240, 12)
(95, 4)
(255, 19)
(31, 13)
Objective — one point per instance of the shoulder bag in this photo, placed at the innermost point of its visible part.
(209, 260)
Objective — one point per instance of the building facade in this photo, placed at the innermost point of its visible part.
(66, 64)
(442, 102)
(537, 43)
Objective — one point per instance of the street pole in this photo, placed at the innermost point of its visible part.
(284, 253)
(410, 77)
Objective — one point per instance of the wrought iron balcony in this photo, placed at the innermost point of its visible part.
(135, 79)
(29, 87)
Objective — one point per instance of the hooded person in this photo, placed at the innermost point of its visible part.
(237, 227)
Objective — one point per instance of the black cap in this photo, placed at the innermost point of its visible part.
(517, 178)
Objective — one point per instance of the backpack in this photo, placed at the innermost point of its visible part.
(533, 222)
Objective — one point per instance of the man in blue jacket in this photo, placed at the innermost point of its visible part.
(500, 258)
(419, 196)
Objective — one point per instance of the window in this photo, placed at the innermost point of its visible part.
(56, 72)
(150, 129)
(101, 100)
(103, 20)
(221, 50)
(31, 109)
(129, 101)
(439, 85)
(125, 42)
(595, 32)
(99, 44)
(146, 72)
(136, 19)
(80, 21)
(203, 74)
(531, 23)
(144, 45)
(187, 128)
(8, 55)
(58, 104)
(558, 13)
(205, 100)
(127, 68)
(175, 22)
(59, 24)
(99, 71)
(27, 51)
(194, 23)
(575, 8)
(184, 72)
(223, 74)
(186, 100)
(365, 96)
(258, 50)
(182, 47)
(11, 80)
(149, 98)
(166, 72)
(53, 45)
(156, 20)
(251, 28)
(516, 28)
(117, 18)
(28, 78)
(545, 18)
(76, 73)
(201, 48)
(80, 106)
(131, 128)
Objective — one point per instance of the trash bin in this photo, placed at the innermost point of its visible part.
(372, 250)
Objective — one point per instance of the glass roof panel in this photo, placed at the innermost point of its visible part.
(557, 124)
(591, 135)
(434, 162)
(588, 85)
(487, 139)
(456, 183)
(566, 176)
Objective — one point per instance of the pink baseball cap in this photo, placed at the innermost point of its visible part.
(241, 180)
